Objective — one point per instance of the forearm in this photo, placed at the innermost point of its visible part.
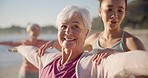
(126, 64)
(10, 43)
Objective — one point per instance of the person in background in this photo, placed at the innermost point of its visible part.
(27, 69)
(74, 25)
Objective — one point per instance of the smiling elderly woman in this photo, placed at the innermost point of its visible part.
(74, 25)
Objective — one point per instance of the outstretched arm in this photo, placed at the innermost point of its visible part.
(29, 52)
(10, 43)
(126, 64)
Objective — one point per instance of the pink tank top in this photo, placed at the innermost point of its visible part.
(56, 70)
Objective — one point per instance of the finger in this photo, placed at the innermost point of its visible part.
(95, 57)
(105, 55)
(41, 50)
(98, 59)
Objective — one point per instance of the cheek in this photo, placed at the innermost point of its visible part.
(60, 36)
(82, 37)
(121, 16)
(105, 16)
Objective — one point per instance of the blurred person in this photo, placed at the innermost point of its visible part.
(27, 69)
(74, 25)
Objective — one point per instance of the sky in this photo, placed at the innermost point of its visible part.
(42, 12)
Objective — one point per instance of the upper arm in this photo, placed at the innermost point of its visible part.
(134, 43)
(89, 41)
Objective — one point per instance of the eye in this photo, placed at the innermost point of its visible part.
(109, 9)
(76, 26)
(120, 10)
(63, 27)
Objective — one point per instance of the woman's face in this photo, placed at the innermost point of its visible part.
(34, 32)
(112, 13)
(72, 33)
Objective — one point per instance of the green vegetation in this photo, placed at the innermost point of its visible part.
(18, 29)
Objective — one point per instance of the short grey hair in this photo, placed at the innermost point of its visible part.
(30, 26)
(70, 11)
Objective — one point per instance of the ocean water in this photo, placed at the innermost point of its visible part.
(9, 58)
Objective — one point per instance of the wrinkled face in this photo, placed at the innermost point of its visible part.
(112, 13)
(34, 32)
(72, 33)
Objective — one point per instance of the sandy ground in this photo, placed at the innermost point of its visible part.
(12, 72)
(9, 72)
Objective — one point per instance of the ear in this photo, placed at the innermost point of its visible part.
(87, 33)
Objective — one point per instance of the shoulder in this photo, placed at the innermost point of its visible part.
(49, 57)
(93, 37)
(133, 42)
(43, 40)
(90, 40)
(86, 59)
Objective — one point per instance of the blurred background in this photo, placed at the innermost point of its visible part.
(16, 14)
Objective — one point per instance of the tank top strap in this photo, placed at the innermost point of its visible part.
(97, 42)
(122, 40)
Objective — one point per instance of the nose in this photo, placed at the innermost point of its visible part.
(114, 15)
(68, 30)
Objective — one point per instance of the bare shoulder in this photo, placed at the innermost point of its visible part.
(93, 36)
(40, 40)
(90, 40)
(133, 43)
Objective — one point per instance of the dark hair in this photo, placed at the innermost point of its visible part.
(124, 0)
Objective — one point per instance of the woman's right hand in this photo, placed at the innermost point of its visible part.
(103, 54)
(43, 48)
(13, 49)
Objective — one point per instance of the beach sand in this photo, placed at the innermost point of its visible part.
(9, 72)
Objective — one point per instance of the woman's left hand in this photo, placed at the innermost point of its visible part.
(42, 49)
(103, 54)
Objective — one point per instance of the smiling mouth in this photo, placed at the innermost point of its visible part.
(69, 39)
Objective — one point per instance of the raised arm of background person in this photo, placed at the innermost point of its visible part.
(11, 43)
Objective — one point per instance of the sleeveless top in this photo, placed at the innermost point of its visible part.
(119, 46)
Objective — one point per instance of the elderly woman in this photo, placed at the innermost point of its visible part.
(74, 24)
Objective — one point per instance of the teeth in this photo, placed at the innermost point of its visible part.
(68, 39)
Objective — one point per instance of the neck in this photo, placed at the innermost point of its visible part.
(110, 34)
(33, 39)
(69, 55)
